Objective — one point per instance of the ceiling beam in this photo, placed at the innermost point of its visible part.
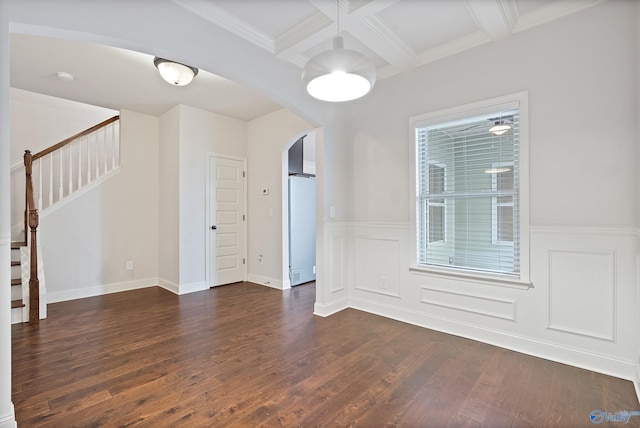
(357, 17)
(496, 18)
(305, 35)
(381, 40)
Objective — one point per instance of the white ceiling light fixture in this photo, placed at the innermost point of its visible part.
(500, 128)
(338, 74)
(497, 170)
(65, 77)
(175, 73)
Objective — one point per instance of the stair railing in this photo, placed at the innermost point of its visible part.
(101, 156)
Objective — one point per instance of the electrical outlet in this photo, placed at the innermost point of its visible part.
(129, 265)
(260, 258)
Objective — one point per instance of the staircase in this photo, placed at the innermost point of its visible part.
(18, 300)
(52, 176)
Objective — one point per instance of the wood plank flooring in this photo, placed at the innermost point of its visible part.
(250, 356)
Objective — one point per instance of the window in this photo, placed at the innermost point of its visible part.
(469, 191)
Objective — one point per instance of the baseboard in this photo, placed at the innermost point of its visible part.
(636, 378)
(550, 351)
(169, 286)
(80, 293)
(193, 287)
(9, 420)
(17, 316)
(269, 282)
(326, 309)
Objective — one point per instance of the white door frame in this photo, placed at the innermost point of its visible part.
(286, 281)
(209, 216)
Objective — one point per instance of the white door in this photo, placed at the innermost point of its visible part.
(227, 221)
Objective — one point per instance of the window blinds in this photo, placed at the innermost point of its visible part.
(467, 201)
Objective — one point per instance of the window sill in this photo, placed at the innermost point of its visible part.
(495, 280)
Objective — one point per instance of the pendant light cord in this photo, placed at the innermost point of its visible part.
(338, 17)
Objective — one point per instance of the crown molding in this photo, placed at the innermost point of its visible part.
(553, 11)
(305, 35)
(229, 22)
(384, 42)
(452, 47)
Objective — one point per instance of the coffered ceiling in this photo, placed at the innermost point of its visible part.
(397, 35)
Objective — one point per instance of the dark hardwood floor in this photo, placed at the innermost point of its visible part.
(246, 355)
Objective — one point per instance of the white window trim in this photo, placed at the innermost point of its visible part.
(519, 100)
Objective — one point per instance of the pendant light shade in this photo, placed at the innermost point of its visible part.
(175, 73)
(339, 74)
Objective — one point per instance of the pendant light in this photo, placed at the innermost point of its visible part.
(175, 73)
(338, 74)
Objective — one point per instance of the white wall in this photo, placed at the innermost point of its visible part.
(268, 137)
(201, 133)
(168, 200)
(7, 415)
(187, 136)
(582, 76)
(87, 242)
(37, 122)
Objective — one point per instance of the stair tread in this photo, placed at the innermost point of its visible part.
(15, 262)
(17, 244)
(16, 281)
(16, 304)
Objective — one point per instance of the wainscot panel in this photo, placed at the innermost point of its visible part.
(583, 281)
(378, 265)
(580, 308)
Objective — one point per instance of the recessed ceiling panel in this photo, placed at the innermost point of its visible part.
(273, 17)
(425, 24)
(526, 6)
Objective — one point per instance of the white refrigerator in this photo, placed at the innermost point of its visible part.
(302, 229)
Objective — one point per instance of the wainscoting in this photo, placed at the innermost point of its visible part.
(580, 308)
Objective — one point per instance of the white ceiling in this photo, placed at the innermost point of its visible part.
(397, 35)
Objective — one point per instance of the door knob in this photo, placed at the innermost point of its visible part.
(214, 227)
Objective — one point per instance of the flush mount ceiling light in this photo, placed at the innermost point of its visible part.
(338, 74)
(175, 73)
(64, 76)
(500, 128)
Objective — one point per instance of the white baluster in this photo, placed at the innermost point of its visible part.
(61, 176)
(50, 155)
(88, 159)
(97, 144)
(80, 163)
(113, 146)
(70, 169)
(104, 148)
(40, 184)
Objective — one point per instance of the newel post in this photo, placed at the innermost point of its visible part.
(32, 220)
(34, 282)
